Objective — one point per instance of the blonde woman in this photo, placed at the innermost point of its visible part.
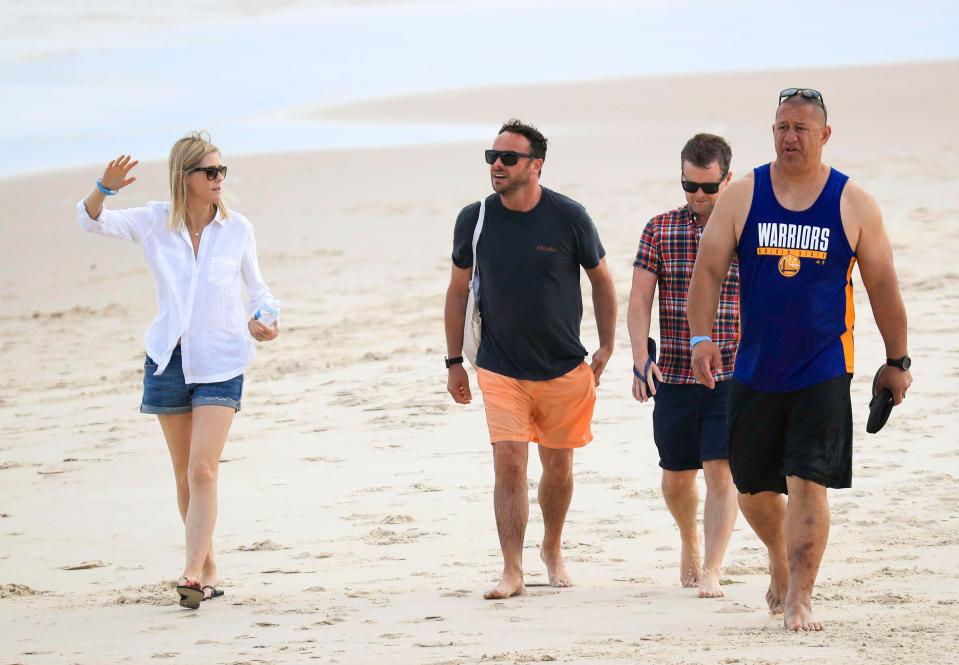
(199, 343)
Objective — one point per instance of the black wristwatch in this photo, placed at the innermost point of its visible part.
(458, 360)
(903, 363)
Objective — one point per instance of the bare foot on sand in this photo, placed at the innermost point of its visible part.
(689, 565)
(556, 570)
(709, 586)
(798, 616)
(778, 586)
(511, 585)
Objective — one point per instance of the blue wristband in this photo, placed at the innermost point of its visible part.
(697, 339)
(105, 190)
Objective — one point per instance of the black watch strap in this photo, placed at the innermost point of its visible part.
(458, 360)
(903, 363)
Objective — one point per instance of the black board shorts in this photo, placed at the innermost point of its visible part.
(805, 433)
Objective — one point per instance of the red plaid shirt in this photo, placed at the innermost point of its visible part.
(668, 250)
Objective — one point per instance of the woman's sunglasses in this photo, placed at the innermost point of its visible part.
(707, 187)
(211, 171)
(508, 157)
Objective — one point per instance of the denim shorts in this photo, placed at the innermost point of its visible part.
(169, 393)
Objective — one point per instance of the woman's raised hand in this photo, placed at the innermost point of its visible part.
(115, 175)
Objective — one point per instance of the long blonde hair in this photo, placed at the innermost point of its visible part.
(186, 154)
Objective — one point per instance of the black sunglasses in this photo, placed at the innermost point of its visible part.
(211, 171)
(508, 157)
(707, 187)
(807, 93)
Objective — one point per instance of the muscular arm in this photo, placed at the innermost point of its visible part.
(874, 254)
(454, 317)
(604, 308)
(716, 249)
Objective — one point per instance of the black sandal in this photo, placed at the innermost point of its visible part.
(191, 594)
(214, 592)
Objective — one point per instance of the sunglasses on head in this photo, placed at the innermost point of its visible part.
(707, 187)
(211, 171)
(508, 157)
(807, 93)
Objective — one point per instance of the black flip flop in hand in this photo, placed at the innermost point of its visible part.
(644, 375)
(880, 406)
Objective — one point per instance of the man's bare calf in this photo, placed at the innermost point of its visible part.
(555, 493)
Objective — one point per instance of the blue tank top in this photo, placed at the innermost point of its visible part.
(796, 306)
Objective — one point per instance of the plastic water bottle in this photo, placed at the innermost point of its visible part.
(268, 312)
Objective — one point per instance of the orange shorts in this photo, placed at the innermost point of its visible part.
(555, 413)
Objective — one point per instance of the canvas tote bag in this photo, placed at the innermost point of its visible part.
(473, 328)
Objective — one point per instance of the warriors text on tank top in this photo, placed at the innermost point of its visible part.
(796, 306)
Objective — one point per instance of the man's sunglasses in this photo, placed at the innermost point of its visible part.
(807, 93)
(211, 171)
(707, 187)
(508, 157)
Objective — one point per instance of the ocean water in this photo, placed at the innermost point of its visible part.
(82, 82)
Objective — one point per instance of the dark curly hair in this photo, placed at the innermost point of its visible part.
(537, 142)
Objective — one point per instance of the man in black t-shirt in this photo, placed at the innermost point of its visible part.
(530, 366)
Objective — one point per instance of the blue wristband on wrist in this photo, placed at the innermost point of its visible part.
(697, 339)
(105, 190)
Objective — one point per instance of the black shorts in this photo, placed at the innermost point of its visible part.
(805, 433)
(689, 424)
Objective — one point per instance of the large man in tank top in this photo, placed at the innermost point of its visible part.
(798, 227)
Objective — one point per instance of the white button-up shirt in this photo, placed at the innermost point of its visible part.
(198, 298)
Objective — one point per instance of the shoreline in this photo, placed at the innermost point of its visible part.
(416, 111)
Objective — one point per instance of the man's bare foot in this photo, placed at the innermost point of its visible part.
(709, 586)
(798, 616)
(556, 570)
(778, 586)
(511, 585)
(689, 565)
(774, 599)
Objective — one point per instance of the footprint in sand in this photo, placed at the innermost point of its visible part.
(148, 594)
(397, 519)
(381, 536)
(458, 593)
(260, 546)
(86, 565)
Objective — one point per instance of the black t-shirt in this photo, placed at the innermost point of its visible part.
(530, 294)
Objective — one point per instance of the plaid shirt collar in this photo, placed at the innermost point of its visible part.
(689, 217)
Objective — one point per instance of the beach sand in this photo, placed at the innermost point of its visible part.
(356, 520)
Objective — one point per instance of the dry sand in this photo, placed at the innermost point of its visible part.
(355, 520)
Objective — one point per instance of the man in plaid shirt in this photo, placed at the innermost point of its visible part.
(689, 420)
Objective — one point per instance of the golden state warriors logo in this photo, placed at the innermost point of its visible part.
(792, 242)
(788, 265)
